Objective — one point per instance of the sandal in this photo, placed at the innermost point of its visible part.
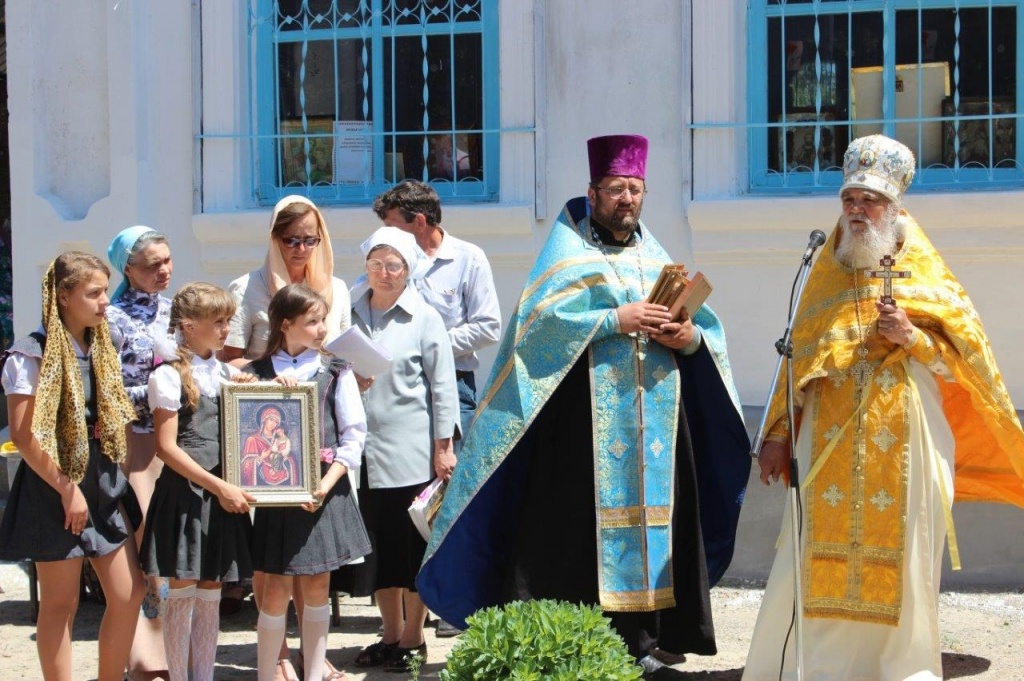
(402, 657)
(331, 673)
(375, 654)
(287, 670)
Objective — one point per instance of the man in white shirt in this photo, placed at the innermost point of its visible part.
(457, 282)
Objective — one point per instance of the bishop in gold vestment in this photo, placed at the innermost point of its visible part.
(901, 408)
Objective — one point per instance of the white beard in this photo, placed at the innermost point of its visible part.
(879, 240)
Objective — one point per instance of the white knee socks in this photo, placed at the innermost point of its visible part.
(269, 635)
(177, 627)
(205, 627)
(316, 621)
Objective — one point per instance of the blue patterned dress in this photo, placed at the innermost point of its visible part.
(136, 320)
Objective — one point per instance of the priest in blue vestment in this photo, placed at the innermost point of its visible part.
(608, 458)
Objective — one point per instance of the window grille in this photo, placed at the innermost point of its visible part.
(352, 96)
(941, 76)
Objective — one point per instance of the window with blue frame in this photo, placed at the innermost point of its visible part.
(941, 76)
(352, 96)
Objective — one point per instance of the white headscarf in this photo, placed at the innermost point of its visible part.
(319, 268)
(404, 243)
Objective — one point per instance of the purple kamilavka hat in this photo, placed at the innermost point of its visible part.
(621, 155)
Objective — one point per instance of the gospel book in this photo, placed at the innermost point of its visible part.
(676, 291)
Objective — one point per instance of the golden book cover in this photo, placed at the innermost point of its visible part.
(677, 292)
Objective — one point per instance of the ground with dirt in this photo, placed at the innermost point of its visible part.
(981, 636)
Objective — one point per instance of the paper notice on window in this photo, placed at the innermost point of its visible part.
(353, 152)
(368, 357)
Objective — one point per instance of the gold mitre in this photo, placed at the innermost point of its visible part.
(879, 164)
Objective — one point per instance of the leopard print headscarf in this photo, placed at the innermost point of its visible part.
(58, 421)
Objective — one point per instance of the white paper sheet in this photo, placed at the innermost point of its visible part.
(368, 357)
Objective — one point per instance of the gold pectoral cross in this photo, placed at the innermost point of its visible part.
(888, 275)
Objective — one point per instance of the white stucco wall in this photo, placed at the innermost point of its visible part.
(607, 75)
(129, 79)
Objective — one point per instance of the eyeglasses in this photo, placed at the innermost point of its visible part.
(378, 265)
(296, 241)
(616, 193)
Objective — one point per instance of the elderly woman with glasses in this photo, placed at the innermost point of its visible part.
(299, 253)
(412, 410)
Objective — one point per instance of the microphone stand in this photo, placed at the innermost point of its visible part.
(784, 346)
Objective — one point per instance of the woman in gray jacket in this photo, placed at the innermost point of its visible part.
(412, 412)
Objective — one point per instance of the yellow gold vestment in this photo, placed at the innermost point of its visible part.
(857, 488)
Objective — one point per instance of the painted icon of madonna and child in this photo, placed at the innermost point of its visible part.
(270, 455)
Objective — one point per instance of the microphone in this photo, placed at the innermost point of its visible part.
(817, 239)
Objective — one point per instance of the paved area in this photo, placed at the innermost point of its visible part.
(982, 634)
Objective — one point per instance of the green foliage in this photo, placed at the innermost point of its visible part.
(415, 663)
(540, 641)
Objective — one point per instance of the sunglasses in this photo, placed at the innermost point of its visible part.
(296, 241)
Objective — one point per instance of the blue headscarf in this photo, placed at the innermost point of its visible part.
(120, 249)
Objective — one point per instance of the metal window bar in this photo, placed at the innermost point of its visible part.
(817, 93)
(451, 89)
(372, 22)
(425, 65)
(997, 172)
(991, 97)
(956, 84)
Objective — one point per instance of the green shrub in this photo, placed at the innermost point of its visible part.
(540, 641)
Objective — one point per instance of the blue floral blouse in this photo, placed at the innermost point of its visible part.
(135, 320)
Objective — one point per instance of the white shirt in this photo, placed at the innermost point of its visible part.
(458, 284)
(348, 404)
(250, 327)
(21, 372)
(165, 382)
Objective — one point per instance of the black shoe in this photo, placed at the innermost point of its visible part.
(402, 657)
(665, 674)
(657, 671)
(445, 630)
(666, 657)
(376, 654)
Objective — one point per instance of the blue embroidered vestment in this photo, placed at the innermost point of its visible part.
(567, 309)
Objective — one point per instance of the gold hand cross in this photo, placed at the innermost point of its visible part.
(888, 275)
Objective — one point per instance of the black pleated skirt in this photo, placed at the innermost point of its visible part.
(397, 547)
(291, 541)
(33, 522)
(189, 536)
